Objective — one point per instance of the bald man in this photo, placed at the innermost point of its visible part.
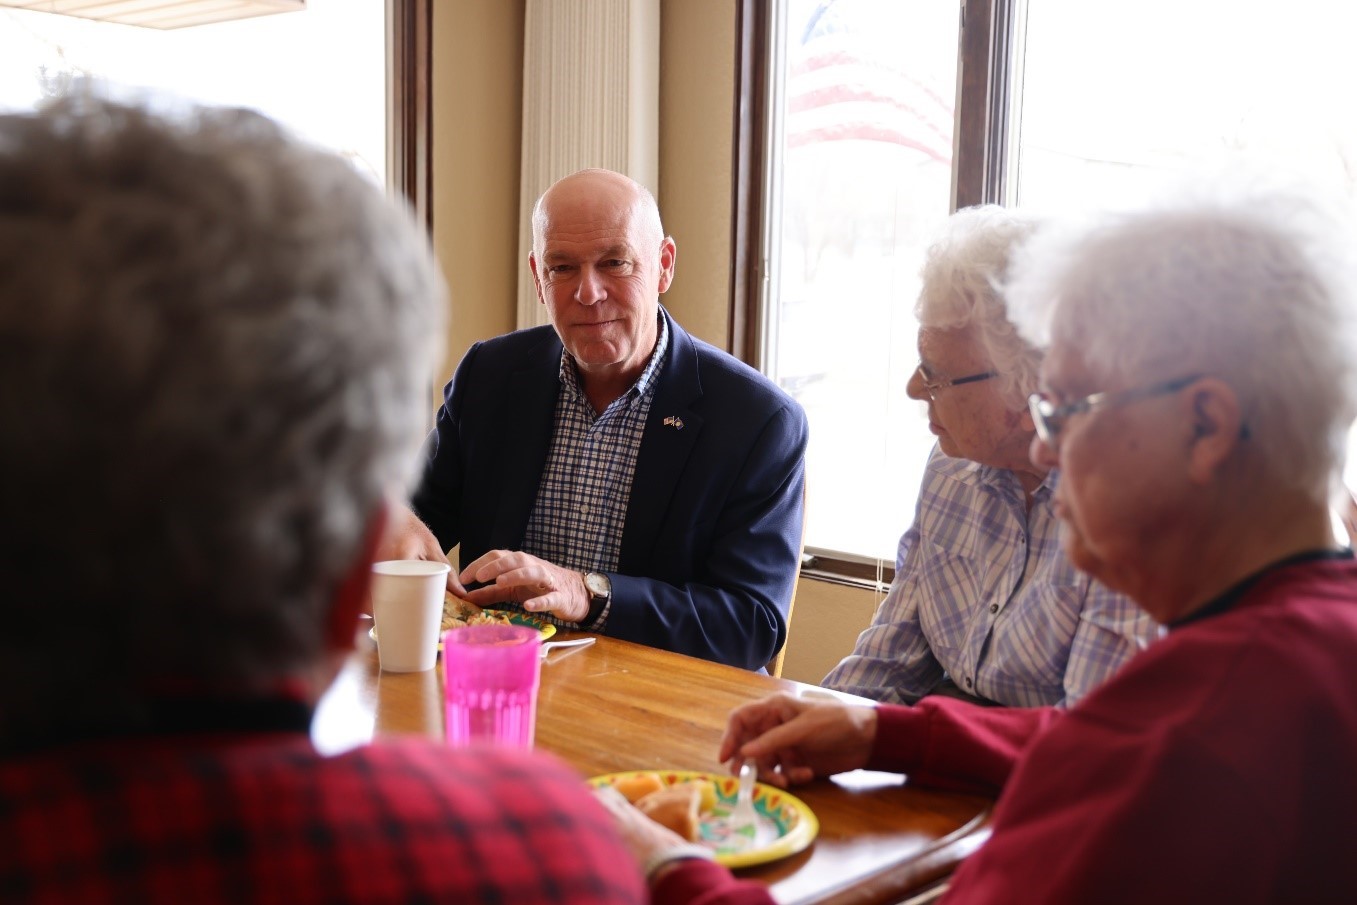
(611, 472)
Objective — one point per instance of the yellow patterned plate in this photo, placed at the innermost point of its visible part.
(784, 825)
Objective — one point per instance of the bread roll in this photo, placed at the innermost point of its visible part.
(638, 785)
(676, 807)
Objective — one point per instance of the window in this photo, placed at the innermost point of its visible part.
(323, 72)
(1256, 82)
(1253, 83)
(860, 176)
(883, 116)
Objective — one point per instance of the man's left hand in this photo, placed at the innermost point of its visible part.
(541, 587)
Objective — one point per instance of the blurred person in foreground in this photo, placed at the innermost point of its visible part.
(216, 342)
(1198, 389)
(985, 605)
(610, 471)
(1347, 514)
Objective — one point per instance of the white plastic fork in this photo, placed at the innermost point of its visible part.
(743, 815)
(549, 646)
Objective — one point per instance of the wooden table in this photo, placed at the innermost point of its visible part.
(617, 706)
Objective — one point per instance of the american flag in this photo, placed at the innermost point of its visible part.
(848, 80)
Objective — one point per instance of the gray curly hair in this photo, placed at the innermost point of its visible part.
(217, 343)
(962, 274)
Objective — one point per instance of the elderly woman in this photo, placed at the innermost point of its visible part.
(984, 604)
(1201, 377)
(217, 344)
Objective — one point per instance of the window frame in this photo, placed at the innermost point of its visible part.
(988, 60)
(409, 111)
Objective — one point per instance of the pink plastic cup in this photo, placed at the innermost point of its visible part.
(490, 674)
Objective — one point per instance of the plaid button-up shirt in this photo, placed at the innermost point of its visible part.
(983, 595)
(582, 498)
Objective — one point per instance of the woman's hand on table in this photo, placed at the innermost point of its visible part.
(793, 740)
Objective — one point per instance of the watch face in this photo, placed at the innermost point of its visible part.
(598, 584)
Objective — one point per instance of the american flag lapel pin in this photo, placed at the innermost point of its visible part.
(674, 421)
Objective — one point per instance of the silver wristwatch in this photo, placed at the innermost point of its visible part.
(600, 588)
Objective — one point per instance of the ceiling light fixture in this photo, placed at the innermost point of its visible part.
(160, 13)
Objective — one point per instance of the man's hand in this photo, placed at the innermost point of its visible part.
(794, 740)
(407, 537)
(516, 577)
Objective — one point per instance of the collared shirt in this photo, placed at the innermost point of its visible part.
(984, 596)
(582, 499)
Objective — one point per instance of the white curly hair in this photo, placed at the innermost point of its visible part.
(962, 275)
(1255, 286)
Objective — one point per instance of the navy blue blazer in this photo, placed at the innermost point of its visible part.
(712, 536)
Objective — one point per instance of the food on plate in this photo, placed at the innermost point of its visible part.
(458, 613)
(707, 789)
(636, 786)
(699, 807)
(677, 807)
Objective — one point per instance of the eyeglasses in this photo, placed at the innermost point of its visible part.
(933, 387)
(1050, 418)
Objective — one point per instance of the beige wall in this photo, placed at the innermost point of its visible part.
(826, 620)
(478, 64)
(697, 78)
(477, 91)
(477, 88)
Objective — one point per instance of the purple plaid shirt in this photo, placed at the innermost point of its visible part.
(984, 596)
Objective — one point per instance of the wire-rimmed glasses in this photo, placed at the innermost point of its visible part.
(933, 387)
(1050, 418)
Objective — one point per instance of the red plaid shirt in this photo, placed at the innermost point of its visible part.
(261, 817)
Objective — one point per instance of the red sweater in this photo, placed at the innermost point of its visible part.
(1219, 765)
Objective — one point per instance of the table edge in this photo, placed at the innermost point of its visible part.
(895, 881)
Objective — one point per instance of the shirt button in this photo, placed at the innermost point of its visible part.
(994, 607)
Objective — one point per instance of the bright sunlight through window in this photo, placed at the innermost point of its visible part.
(322, 71)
